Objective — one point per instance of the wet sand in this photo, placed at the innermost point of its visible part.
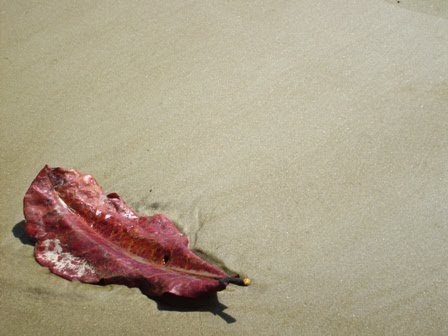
(304, 144)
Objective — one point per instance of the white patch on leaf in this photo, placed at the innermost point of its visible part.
(65, 262)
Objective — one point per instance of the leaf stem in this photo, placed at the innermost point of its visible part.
(236, 280)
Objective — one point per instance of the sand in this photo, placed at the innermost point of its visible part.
(302, 143)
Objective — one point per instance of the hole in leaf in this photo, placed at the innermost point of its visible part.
(166, 258)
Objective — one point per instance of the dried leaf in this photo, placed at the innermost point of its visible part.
(83, 234)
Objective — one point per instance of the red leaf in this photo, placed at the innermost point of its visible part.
(83, 234)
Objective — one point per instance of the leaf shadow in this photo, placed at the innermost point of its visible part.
(210, 303)
(167, 302)
(19, 232)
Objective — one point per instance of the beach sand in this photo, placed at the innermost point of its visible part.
(304, 144)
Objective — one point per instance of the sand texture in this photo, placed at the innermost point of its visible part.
(301, 143)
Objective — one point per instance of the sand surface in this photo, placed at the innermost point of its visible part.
(303, 143)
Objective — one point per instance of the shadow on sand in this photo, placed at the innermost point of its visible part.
(209, 304)
(19, 232)
(167, 302)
